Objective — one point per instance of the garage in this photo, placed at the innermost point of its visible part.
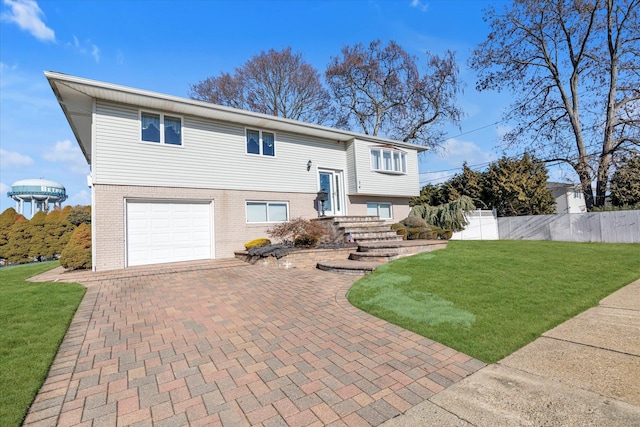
(162, 231)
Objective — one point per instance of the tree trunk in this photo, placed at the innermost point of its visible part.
(582, 169)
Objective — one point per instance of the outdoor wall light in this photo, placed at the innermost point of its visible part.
(323, 196)
(308, 165)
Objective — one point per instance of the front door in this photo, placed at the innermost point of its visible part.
(331, 182)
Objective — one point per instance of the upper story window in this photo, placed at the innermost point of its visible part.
(261, 143)
(388, 160)
(161, 128)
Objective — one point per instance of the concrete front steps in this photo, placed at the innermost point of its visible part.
(377, 244)
(364, 229)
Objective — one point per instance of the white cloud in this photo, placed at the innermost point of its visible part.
(12, 159)
(422, 6)
(28, 16)
(435, 178)
(81, 198)
(85, 48)
(119, 57)
(95, 52)
(502, 130)
(4, 188)
(456, 152)
(6, 67)
(70, 154)
(450, 158)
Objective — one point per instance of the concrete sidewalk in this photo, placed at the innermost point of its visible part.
(584, 372)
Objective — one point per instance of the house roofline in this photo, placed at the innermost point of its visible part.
(75, 94)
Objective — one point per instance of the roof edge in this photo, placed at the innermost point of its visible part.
(55, 76)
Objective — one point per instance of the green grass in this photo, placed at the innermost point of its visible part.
(33, 320)
(488, 299)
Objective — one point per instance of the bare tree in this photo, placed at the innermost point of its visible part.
(380, 90)
(279, 83)
(574, 66)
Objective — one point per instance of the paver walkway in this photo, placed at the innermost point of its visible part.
(224, 343)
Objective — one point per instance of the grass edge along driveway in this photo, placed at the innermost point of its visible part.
(490, 298)
(34, 318)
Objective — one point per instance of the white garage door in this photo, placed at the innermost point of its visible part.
(168, 232)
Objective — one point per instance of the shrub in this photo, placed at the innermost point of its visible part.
(400, 229)
(289, 231)
(77, 254)
(402, 232)
(445, 234)
(80, 215)
(256, 243)
(414, 222)
(414, 233)
(427, 234)
(306, 241)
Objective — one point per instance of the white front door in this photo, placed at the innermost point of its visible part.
(331, 181)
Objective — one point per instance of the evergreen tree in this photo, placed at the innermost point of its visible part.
(38, 236)
(469, 183)
(625, 183)
(17, 248)
(7, 219)
(429, 195)
(77, 254)
(519, 187)
(59, 231)
(80, 215)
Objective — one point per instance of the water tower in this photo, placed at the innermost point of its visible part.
(41, 193)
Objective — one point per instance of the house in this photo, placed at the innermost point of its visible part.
(175, 179)
(569, 197)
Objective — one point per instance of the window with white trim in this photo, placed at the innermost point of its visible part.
(267, 212)
(388, 160)
(160, 128)
(261, 143)
(382, 210)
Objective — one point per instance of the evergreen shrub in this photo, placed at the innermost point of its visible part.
(306, 241)
(77, 254)
(256, 243)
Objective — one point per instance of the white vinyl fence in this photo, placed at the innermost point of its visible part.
(483, 225)
(608, 227)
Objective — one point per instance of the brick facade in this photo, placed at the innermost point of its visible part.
(230, 230)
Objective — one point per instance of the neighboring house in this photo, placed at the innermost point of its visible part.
(569, 197)
(175, 179)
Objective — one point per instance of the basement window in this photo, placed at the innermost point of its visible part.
(382, 210)
(267, 212)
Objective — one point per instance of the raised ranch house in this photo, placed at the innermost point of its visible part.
(175, 179)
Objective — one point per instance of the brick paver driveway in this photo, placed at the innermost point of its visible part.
(226, 343)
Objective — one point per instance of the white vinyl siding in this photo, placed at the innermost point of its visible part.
(213, 156)
(159, 232)
(379, 182)
(258, 212)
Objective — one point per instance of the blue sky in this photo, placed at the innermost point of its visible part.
(165, 46)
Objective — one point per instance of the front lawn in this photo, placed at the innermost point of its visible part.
(489, 298)
(33, 320)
